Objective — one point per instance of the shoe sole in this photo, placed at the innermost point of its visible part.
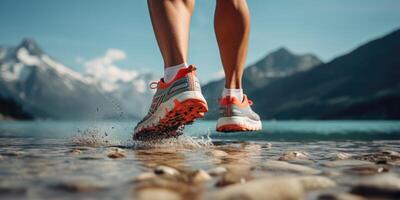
(172, 115)
(237, 124)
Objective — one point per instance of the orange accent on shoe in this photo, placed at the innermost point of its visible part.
(229, 100)
(235, 128)
(183, 113)
(190, 71)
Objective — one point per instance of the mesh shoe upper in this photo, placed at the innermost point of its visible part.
(232, 107)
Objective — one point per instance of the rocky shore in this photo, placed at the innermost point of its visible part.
(220, 170)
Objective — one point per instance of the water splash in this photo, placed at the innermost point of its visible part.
(95, 137)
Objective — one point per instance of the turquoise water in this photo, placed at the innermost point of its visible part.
(272, 130)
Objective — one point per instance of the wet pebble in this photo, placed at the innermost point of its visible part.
(340, 196)
(156, 194)
(116, 153)
(294, 155)
(77, 187)
(380, 186)
(367, 169)
(217, 153)
(217, 171)
(199, 176)
(82, 148)
(165, 170)
(260, 189)
(267, 145)
(346, 163)
(382, 157)
(235, 174)
(315, 182)
(13, 153)
(144, 176)
(342, 156)
(282, 167)
(75, 151)
(162, 182)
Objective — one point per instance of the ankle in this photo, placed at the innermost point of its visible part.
(171, 71)
(234, 83)
(237, 93)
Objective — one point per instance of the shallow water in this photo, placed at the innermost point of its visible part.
(64, 160)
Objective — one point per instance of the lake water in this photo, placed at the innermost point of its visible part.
(64, 160)
(272, 130)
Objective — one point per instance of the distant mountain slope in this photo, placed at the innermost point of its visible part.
(9, 109)
(47, 89)
(278, 64)
(363, 84)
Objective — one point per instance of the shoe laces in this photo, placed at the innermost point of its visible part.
(155, 84)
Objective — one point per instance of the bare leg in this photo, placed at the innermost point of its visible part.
(232, 28)
(171, 22)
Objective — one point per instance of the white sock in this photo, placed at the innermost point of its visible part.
(238, 93)
(170, 72)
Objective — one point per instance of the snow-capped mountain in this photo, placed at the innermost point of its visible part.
(47, 89)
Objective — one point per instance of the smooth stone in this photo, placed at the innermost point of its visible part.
(144, 176)
(116, 153)
(217, 153)
(75, 151)
(200, 176)
(78, 186)
(395, 163)
(294, 155)
(85, 148)
(13, 153)
(267, 146)
(340, 196)
(165, 170)
(116, 149)
(301, 162)
(217, 171)
(91, 158)
(261, 189)
(390, 153)
(162, 182)
(368, 169)
(282, 166)
(381, 157)
(156, 194)
(330, 173)
(343, 156)
(235, 174)
(385, 186)
(346, 163)
(315, 182)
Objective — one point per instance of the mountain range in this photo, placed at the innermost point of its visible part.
(276, 65)
(40, 87)
(363, 84)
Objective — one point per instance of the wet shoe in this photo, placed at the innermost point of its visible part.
(237, 116)
(175, 104)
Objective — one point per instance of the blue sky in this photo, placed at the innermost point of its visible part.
(77, 31)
